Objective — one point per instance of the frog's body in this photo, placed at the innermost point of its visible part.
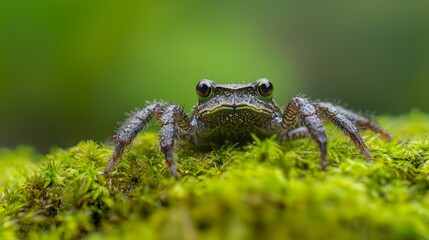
(231, 112)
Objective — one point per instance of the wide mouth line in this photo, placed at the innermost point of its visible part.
(235, 107)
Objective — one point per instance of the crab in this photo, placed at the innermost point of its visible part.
(233, 112)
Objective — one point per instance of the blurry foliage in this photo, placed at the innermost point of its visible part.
(70, 69)
(265, 190)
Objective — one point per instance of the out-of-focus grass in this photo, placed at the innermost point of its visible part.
(264, 190)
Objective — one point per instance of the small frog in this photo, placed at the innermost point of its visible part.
(231, 112)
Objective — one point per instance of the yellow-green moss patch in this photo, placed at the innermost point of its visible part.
(261, 191)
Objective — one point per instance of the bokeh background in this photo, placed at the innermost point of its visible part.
(69, 70)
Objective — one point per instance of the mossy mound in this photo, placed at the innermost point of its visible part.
(265, 190)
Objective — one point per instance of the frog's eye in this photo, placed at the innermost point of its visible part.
(204, 89)
(264, 88)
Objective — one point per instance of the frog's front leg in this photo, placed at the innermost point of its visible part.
(302, 119)
(129, 130)
(299, 112)
(172, 118)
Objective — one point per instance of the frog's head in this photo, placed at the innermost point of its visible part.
(235, 103)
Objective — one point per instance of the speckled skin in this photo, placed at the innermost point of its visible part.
(232, 112)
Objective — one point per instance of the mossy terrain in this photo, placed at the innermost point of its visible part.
(263, 190)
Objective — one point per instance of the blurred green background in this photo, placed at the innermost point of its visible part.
(69, 70)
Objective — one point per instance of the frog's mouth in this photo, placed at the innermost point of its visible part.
(236, 107)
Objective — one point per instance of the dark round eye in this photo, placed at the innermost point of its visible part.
(265, 88)
(204, 89)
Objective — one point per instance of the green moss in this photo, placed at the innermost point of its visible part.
(265, 190)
